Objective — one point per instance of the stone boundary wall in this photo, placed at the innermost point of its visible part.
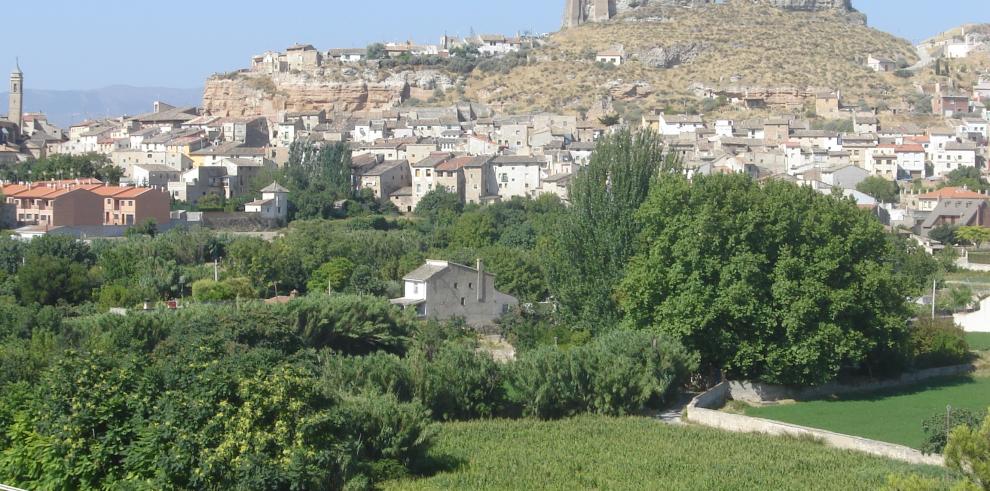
(700, 411)
(757, 393)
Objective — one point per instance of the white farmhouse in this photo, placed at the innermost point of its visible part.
(273, 205)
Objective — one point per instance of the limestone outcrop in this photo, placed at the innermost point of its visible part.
(257, 97)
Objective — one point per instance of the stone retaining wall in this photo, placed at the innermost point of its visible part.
(702, 411)
(757, 393)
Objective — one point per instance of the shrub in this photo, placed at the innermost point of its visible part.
(458, 383)
(938, 343)
(350, 323)
(207, 290)
(938, 427)
(378, 373)
(620, 373)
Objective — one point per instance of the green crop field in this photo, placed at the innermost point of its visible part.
(978, 341)
(890, 416)
(639, 453)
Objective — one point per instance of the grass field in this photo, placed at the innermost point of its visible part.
(890, 416)
(978, 341)
(639, 453)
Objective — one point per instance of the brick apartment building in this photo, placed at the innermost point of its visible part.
(85, 202)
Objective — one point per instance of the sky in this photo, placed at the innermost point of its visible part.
(78, 45)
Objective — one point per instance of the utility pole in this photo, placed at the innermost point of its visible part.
(934, 283)
(216, 270)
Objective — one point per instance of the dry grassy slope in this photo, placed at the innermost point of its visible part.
(766, 46)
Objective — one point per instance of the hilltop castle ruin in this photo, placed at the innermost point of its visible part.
(577, 12)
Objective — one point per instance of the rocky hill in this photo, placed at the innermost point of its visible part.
(674, 51)
(672, 54)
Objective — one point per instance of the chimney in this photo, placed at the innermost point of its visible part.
(481, 281)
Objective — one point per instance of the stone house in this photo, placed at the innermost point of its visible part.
(251, 131)
(865, 124)
(384, 178)
(450, 175)
(303, 57)
(424, 177)
(309, 119)
(480, 186)
(444, 290)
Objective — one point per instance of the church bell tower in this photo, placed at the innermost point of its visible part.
(15, 106)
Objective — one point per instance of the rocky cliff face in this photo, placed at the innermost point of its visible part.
(256, 94)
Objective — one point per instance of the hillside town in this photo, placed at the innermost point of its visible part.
(182, 154)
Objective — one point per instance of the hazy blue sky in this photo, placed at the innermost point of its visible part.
(178, 43)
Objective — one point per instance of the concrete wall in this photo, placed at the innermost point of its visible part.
(757, 393)
(700, 411)
(978, 321)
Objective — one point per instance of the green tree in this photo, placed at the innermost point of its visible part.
(439, 203)
(333, 274)
(207, 290)
(769, 282)
(944, 233)
(970, 177)
(148, 227)
(883, 190)
(974, 235)
(474, 229)
(376, 51)
(968, 452)
(591, 243)
(49, 280)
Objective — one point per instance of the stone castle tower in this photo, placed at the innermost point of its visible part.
(15, 108)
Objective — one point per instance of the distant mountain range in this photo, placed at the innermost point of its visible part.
(65, 107)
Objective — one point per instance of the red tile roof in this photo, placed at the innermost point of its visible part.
(953, 193)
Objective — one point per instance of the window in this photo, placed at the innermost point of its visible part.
(470, 286)
(415, 289)
(462, 301)
(455, 286)
(417, 172)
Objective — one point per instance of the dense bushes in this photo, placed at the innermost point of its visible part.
(621, 373)
(938, 343)
(350, 324)
(617, 374)
(210, 396)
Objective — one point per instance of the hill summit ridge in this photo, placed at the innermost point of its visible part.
(577, 12)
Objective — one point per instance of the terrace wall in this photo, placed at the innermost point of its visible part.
(702, 410)
(757, 393)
